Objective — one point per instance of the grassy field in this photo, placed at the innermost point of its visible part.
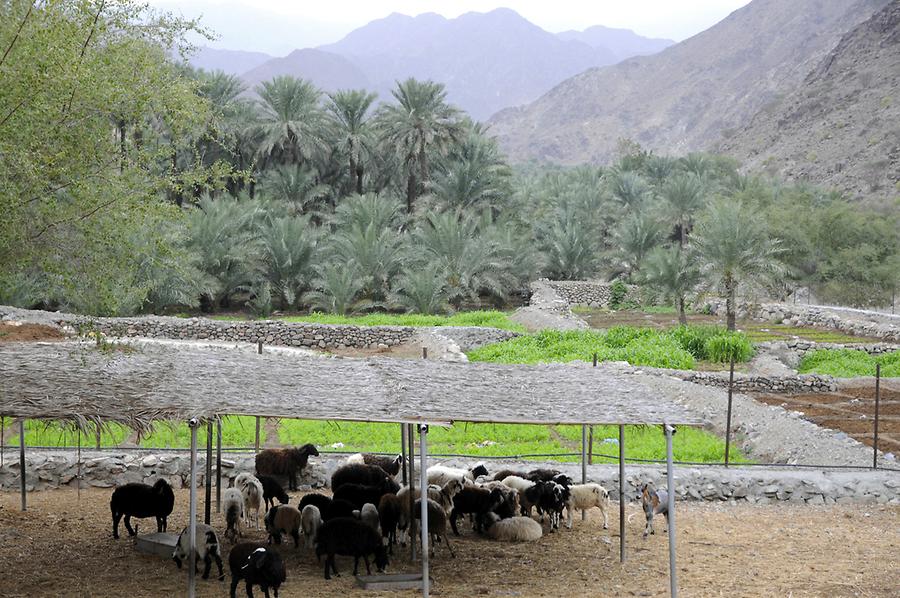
(490, 319)
(849, 363)
(475, 440)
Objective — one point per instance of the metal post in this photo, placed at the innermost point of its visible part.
(411, 443)
(728, 416)
(2, 438)
(877, 405)
(424, 352)
(423, 484)
(621, 493)
(403, 452)
(583, 463)
(256, 442)
(207, 506)
(22, 459)
(192, 521)
(218, 465)
(259, 347)
(78, 466)
(98, 435)
(670, 487)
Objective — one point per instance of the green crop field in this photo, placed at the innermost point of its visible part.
(849, 363)
(489, 319)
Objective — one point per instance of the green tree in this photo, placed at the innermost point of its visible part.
(673, 272)
(419, 124)
(734, 248)
(337, 290)
(475, 175)
(291, 120)
(288, 248)
(683, 196)
(348, 113)
(635, 236)
(422, 290)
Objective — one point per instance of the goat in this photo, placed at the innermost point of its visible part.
(391, 465)
(514, 529)
(367, 475)
(310, 521)
(585, 496)
(140, 500)
(257, 566)
(283, 519)
(437, 523)
(206, 549)
(233, 505)
(350, 537)
(272, 490)
(654, 502)
(440, 474)
(474, 500)
(287, 462)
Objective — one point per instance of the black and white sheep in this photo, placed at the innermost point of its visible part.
(654, 502)
(391, 465)
(233, 506)
(548, 497)
(310, 522)
(584, 497)
(141, 500)
(437, 523)
(252, 490)
(286, 462)
(272, 490)
(360, 494)
(475, 501)
(348, 536)
(283, 519)
(206, 549)
(367, 475)
(514, 529)
(549, 475)
(510, 505)
(257, 566)
(441, 474)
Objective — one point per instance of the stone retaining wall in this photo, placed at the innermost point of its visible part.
(803, 346)
(875, 325)
(105, 469)
(802, 383)
(590, 293)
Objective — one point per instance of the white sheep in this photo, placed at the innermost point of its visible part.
(441, 474)
(252, 490)
(586, 496)
(517, 483)
(513, 529)
(310, 522)
(233, 507)
(369, 515)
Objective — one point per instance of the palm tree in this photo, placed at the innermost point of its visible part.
(672, 271)
(636, 236)
(337, 290)
(570, 245)
(347, 112)
(295, 185)
(288, 246)
(421, 290)
(475, 175)
(630, 189)
(420, 123)
(734, 248)
(683, 196)
(291, 119)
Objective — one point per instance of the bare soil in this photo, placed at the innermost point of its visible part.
(63, 547)
(851, 410)
(13, 332)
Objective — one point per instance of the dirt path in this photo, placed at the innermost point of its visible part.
(61, 547)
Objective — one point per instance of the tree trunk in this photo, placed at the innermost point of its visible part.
(683, 230)
(359, 179)
(729, 303)
(682, 317)
(410, 192)
(121, 126)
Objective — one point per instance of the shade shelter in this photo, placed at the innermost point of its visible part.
(145, 382)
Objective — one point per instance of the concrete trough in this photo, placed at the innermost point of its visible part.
(395, 581)
(159, 544)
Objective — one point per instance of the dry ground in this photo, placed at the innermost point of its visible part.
(63, 547)
(15, 331)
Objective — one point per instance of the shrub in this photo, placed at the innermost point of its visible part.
(693, 338)
(727, 346)
(620, 336)
(617, 292)
(658, 351)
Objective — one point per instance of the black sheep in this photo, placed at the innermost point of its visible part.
(350, 537)
(320, 500)
(437, 523)
(505, 473)
(272, 490)
(391, 465)
(392, 516)
(474, 500)
(360, 494)
(141, 500)
(368, 475)
(256, 565)
(542, 475)
(287, 462)
(338, 508)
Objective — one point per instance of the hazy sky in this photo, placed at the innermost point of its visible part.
(279, 26)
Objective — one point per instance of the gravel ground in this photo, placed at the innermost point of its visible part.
(63, 547)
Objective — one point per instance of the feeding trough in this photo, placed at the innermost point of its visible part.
(159, 544)
(394, 581)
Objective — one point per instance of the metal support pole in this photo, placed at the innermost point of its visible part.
(2, 438)
(259, 347)
(192, 512)
(670, 487)
(218, 465)
(423, 484)
(590, 445)
(404, 458)
(728, 416)
(621, 493)
(424, 352)
(411, 443)
(78, 466)
(22, 459)
(583, 463)
(98, 435)
(877, 405)
(256, 442)
(207, 506)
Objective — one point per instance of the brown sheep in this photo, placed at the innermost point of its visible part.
(287, 462)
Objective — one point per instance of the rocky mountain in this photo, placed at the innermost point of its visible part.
(623, 43)
(841, 126)
(233, 62)
(689, 95)
(327, 70)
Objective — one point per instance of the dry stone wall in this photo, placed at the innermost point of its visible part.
(590, 293)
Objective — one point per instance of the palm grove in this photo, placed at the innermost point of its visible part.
(131, 183)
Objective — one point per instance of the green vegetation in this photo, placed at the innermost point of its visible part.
(489, 319)
(849, 363)
(40, 433)
(676, 349)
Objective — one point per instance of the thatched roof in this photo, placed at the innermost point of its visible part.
(77, 382)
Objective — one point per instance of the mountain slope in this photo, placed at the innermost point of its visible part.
(685, 97)
(233, 62)
(487, 60)
(623, 43)
(328, 71)
(841, 127)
